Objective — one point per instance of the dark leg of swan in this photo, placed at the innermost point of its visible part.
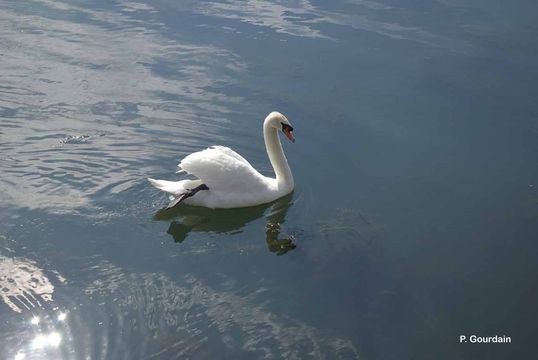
(187, 194)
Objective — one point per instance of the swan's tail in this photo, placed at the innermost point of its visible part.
(172, 187)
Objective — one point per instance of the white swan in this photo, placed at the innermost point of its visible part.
(226, 180)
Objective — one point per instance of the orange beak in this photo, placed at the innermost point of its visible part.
(289, 135)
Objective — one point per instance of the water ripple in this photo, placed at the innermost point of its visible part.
(302, 18)
(192, 311)
(88, 96)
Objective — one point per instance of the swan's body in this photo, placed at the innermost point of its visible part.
(230, 181)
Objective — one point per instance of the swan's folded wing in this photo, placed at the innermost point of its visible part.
(222, 168)
(230, 152)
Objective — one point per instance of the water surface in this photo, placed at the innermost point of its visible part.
(414, 217)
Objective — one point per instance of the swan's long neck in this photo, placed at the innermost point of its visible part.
(277, 158)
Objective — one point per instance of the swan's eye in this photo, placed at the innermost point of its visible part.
(286, 127)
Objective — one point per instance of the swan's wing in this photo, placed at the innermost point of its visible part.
(223, 149)
(221, 168)
(230, 152)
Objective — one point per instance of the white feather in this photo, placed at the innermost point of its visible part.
(174, 187)
(223, 169)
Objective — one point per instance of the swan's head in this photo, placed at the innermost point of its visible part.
(280, 122)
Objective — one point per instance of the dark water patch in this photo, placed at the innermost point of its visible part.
(6, 112)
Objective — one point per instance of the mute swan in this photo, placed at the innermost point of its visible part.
(226, 180)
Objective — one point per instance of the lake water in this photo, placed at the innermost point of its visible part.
(415, 214)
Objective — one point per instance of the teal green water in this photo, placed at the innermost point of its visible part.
(414, 216)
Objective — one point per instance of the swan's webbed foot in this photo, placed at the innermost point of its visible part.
(187, 194)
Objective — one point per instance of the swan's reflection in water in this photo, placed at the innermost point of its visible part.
(187, 219)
